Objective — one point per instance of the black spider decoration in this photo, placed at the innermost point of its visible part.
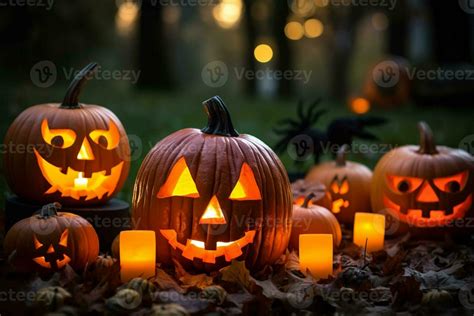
(339, 132)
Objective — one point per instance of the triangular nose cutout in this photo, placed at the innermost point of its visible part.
(86, 151)
(50, 249)
(427, 194)
(213, 214)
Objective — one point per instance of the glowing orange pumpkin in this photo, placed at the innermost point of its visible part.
(313, 219)
(424, 186)
(51, 240)
(348, 183)
(214, 195)
(75, 153)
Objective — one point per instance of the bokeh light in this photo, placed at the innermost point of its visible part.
(313, 28)
(379, 21)
(359, 105)
(126, 17)
(294, 30)
(321, 3)
(227, 13)
(263, 53)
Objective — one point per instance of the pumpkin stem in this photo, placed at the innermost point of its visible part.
(341, 155)
(427, 144)
(219, 121)
(308, 198)
(71, 99)
(50, 210)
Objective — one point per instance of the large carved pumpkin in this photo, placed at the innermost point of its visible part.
(348, 183)
(50, 240)
(424, 186)
(214, 195)
(74, 153)
(313, 219)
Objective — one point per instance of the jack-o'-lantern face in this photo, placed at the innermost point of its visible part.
(339, 190)
(80, 179)
(52, 255)
(214, 195)
(348, 183)
(428, 202)
(181, 184)
(424, 186)
(80, 155)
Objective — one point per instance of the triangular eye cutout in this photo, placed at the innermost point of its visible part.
(179, 182)
(344, 188)
(63, 239)
(246, 187)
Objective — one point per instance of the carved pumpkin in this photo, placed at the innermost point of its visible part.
(302, 188)
(348, 183)
(51, 240)
(424, 186)
(76, 154)
(313, 219)
(214, 195)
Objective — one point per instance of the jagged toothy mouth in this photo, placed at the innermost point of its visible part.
(420, 217)
(196, 249)
(75, 184)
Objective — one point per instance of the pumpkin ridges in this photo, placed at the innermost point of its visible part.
(215, 167)
(26, 129)
(21, 236)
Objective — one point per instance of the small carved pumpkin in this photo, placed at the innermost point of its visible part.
(424, 186)
(348, 183)
(302, 188)
(313, 219)
(214, 195)
(75, 153)
(51, 240)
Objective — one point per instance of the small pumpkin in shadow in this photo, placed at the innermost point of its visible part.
(302, 188)
(348, 183)
(313, 219)
(50, 240)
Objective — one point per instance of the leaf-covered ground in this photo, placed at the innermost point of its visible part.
(409, 276)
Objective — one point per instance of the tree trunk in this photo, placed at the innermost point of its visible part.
(283, 53)
(153, 56)
(250, 33)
